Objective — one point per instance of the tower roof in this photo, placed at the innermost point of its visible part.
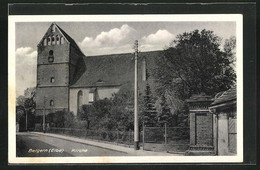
(62, 32)
(70, 40)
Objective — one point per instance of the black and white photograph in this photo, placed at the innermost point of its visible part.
(125, 88)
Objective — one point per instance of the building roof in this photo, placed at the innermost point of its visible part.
(226, 96)
(114, 69)
(71, 41)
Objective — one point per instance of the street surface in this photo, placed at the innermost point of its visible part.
(35, 145)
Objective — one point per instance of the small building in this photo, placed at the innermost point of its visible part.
(213, 124)
(225, 122)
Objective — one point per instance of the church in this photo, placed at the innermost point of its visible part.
(67, 79)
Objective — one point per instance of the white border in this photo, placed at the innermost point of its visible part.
(238, 18)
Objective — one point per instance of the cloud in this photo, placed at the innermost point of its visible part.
(110, 38)
(121, 40)
(113, 39)
(26, 62)
(156, 41)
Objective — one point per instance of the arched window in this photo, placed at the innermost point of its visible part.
(51, 57)
(61, 40)
(51, 52)
(80, 98)
(44, 41)
(57, 39)
(53, 40)
(49, 41)
(52, 80)
(51, 103)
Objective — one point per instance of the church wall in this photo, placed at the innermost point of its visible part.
(52, 75)
(59, 72)
(102, 92)
(74, 98)
(60, 53)
(59, 95)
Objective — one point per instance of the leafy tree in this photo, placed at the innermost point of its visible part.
(230, 50)
(115, 113)
(122, 110)
(194, 64)
(61, 119)
(86, 114)
(25, 104)
(20, 112)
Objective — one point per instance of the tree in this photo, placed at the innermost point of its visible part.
(164, 115)
(149, 113)
(194, 64)
(122, 112)
(115, 113)
(61, 119)
(230, 50)
(25, 108)
(86, 114)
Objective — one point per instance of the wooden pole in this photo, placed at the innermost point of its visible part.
(136, 127)
(26, 121)
(43, 123)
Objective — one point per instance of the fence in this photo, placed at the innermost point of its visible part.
(170, 139)
(121, 137)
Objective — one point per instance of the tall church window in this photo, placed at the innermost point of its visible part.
(53, 40)
(62, 40)
(49, 41)
(51, 103)
(57, 39)
(44, 41)
(51, 57)
(80, 98)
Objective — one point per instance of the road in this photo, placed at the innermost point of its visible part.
(35, 145)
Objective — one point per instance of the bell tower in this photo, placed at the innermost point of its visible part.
(57, 58)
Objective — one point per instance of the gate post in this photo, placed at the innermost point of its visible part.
(201, 125)
(143, 134)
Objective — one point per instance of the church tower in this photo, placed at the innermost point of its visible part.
(58, 57)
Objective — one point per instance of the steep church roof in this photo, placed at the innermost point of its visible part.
(71, 41)
(114, 69)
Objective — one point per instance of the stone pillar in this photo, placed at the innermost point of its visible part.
(223, 134)
(201, 126)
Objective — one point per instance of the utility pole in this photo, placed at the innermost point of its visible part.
(136, 127)
(43, 118)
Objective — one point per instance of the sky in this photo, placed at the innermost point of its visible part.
(98, 38)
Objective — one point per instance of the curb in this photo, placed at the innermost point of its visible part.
(81, 142)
